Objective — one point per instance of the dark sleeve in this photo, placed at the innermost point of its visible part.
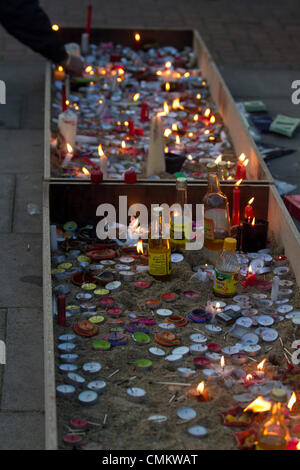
(27, 22)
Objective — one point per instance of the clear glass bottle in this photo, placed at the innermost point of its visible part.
(180, 227)
(216, 215)
(274, 433)
(226, 270)
(159, 248)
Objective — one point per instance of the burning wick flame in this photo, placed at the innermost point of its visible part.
(123, 145)
(218, 159)
(242, 157)
(55, 27)
(69, 148)
(246, 162)
(139, 247)
(137, 37)
(260, 366)
(207, 112)
(200, 387)
(238, 182)
(198, 96)
(60, 68)
(250, 201)
(177, 139)
(167, 132)
(168, 64)
(222, 362)
(136, 97)
(85, 170)
(292, 401)
(212, 120)
(253, 221)
(176, 104)
(167, 86)
(100, 151)
(259, 405)
(174, 127)
(196, 117)
(249, 377)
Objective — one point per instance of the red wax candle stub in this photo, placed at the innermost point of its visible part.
(201, 362)
(130, 176)
(191, 294)
(115, 311)
(168, 297)
(78, 423)
(142, 284)
(96, 176)
(214, 347)
(72, 439)
(106, 301)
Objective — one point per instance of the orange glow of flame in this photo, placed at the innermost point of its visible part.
(222, 362)
(249, 376)
(174, 127)
(139, 247)
(253, 221)
(212, 120)
(242, 157)
(177, 139)
(196, 117)
(259, 405)
(250, 270)
(137, 37)
(260, 366)
(198, 97)
(123, 144)
(60, 68)
(246, 162)
(168, 64)
(292, 401)
(167, 132)
(136, 97)
(69, 148)
(176, 104)
(207, 112)
(238, 182)
(100, 151)
(200, 387)
(85, 170)
(218, 159)
(298, 446)
(167, 86)
(88, 69)
(55, 27)
(186, 74)
(250, 201)
(166, 108)
(166, 149)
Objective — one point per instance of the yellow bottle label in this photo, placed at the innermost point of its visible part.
(225, 283)
(160, 263)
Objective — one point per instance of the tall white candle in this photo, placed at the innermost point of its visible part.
(156, 156)
(103, 161)
(275, 288)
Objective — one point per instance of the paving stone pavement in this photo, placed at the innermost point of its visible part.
(257, 46)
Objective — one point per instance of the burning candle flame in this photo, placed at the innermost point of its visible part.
(253, 221)
(88, 69)
(250, 201)
(55, 27)
(177, 139)
(69, 148)
(136, 97)
(246, 162)
(139, 247)
(292, 401)
(167, 132)
(198, 97)
(222, 362)
(259, 405)
(196, 117)
(200, 387)
(242, 157)
(167, 86)
(60, 68)
(166, 149)
(298, 446)
(207, 112)
(85, 170)
(166, 108)
(260, 366)
(212, 120)
(249, 377)
(176, 104)
(238, 182)
(123, 145)
(168, 64)
(137, 37)
(100, 151)
(218, 159)
(174, 127)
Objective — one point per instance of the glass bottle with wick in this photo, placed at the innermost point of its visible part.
(181, 218)
(159, 248)
(216, 216)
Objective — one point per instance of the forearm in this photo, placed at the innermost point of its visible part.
(27, 22)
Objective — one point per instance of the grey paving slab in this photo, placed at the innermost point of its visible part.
(21, 151)
(28, 196)
(22, 387)
(21, 270)
(7, 191)
(10, 113)
(22, 431)
(33, 111)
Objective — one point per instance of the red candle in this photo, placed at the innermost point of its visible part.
(63, 98)
(236, 204)
(89, 19)
(131, 128)
(96, 176)
(61, 310)
(144, 112)
(238, 173)
(249, 213)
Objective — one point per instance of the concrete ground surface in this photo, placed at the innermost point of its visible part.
(257, 47)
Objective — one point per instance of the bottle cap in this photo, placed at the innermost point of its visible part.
(230, 244)
(279, 395)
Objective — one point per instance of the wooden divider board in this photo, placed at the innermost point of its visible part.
(239, 134)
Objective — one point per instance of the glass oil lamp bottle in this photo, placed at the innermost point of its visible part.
(274, 434)
(216, 215)
(159, 248)
(226, 271)
(181, 220)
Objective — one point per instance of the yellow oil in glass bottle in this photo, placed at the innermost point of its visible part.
(226, 270)
(159, 248)
(216, 215)
(274, 433)
(181, 218)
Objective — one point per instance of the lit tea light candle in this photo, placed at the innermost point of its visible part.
(199, 393)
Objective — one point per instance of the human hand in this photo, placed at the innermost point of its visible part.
(74, 65)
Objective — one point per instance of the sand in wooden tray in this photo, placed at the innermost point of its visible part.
(126, 422)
